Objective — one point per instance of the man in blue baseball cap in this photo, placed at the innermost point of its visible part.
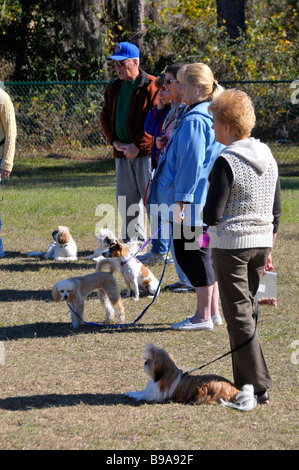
(127, 102)
(125, 50)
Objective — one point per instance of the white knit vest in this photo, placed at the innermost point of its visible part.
(248, 214)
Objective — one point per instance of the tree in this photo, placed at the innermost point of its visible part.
(25, 31)
(231, 16)
(59, 40)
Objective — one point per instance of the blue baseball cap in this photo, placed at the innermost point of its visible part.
(125, 50)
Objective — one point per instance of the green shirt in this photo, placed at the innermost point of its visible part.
(122, 109)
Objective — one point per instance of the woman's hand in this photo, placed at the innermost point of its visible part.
(178, 213)
(269, 266)
(160, 142)
(5, 174)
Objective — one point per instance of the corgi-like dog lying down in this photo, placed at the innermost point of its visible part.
(132, 270)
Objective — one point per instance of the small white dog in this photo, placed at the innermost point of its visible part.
(64, 247)
(75, 289)
(167, 382)
(104, 239)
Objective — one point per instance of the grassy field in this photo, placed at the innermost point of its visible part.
(62, 389)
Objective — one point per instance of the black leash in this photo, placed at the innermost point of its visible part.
(242, 345)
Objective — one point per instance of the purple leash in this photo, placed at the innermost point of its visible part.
(141, 248)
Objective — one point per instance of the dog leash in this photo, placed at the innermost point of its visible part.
(125, 325)
(2, 187)
(2, 179)
(242, 345)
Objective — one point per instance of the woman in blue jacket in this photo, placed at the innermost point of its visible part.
(179, 189)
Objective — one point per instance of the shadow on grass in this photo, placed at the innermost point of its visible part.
(59, 329)
(34, 265)
(23, 403)
(66, 173)
(62, 166)
(16, 295)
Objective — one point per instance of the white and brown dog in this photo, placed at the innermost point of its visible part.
(170, 383)
(64, 247)
(74, 290)
(132, 270)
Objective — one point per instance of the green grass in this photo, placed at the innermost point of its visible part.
(62, 389)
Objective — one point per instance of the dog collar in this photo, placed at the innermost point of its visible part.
(122, 263)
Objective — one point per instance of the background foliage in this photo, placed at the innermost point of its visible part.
(59, 40)
(69, 41)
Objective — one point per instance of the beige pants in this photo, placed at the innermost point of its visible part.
(238, 273)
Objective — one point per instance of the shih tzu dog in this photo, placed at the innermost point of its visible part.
(64, 247)
(167, 382)
(75, 289)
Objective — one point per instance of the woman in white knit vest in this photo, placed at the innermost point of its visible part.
(242, 211)
(7, 134)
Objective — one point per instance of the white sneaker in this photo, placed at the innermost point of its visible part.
(217, 320)
(152, 257)
(187, 325)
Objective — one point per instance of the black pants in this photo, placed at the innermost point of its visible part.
(196, 262)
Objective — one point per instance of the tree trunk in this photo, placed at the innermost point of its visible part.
(138, 22)
(231, 14)
(26, 27)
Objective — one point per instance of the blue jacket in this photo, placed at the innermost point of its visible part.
(183, 170)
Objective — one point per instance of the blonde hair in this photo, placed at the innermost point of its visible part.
(234, 107)
(200, 74)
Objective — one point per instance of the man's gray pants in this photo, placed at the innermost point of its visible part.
(132, 178)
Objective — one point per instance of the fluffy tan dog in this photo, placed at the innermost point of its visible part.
(75, 289)
(170, 383)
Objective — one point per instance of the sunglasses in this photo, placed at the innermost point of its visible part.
(168, 81)
(120, 63)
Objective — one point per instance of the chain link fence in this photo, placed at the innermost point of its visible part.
(64, 117)
(57, 117)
